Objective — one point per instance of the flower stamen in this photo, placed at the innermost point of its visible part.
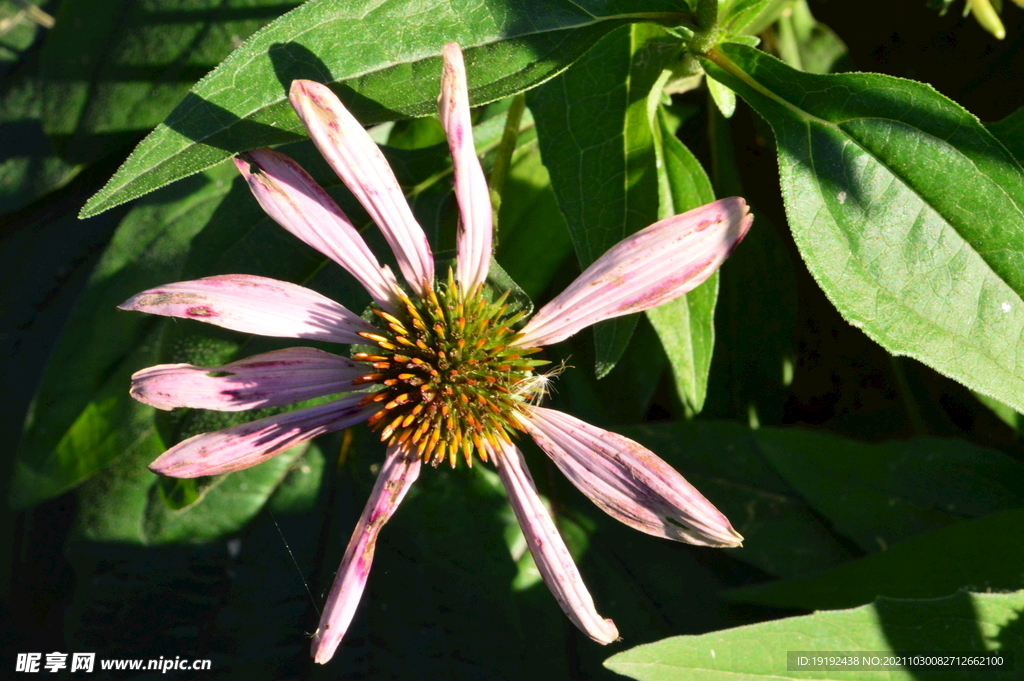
(452, 381)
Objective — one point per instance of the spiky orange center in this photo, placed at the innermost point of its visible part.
(450, 377)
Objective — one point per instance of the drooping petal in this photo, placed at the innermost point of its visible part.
(257, 305)
(399, 471)
(549, 551)
(362, 167)
(296, 202)
(272, 379)
(651, 267)
(627, 481)
(474, 241)
(248, 444)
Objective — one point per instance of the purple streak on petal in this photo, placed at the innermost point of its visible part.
(399, 471)
(272, 379)
(257, 305)
(549, 551)
(248, 444)
(474, 240)
(362, 167)
(295, 201)
(628, 482)
(655, 265)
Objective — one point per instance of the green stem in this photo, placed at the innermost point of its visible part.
(506, 148)
(707, 14)
(707, 20)
(719, 59)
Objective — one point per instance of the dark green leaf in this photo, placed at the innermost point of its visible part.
(867, 162)
(979, 555)
(757, 308)
(1007, 414)
(20, 27)
(1010, 131)
(114, 70)
(75, 427)
(960, 623)
(880, 494)
(394, 73)
(443, 562)
(782, 534)
(242, 602)
(28, 166)
(532, 239)
(593, 123)
(806, 44)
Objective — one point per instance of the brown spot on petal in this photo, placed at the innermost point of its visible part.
(201, 311)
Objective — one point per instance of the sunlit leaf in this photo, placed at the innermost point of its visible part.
(867, 162)
(685, 325)
(393, 74)
(957, 624)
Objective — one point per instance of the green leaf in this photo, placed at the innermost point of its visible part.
(881, 494)
(113, 70)
(74, 428)
(138, 599)
(866, 163)
(1010, 131)
(984, 554)
(593, 121)
(125, 502)
(532, 240)
(1006, 414)
(685, 325)
(19, 31)
(28, 166)
(782, 533)
(757, 308)
(442, 563)
(224, 509)
(749, 17)
(723, 97)
(959, 623)
(806, 44)
(394, 74)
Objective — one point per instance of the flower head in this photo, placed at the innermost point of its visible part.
(453, 374)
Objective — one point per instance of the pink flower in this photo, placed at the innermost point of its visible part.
(452, 376)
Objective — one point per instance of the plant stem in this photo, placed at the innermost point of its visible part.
(506, 147)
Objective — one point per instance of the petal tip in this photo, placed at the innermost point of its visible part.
(242, 162)
(608, 634)
(322, 649)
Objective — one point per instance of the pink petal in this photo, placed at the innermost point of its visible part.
(272, 379)
(362, 167)
(400, 470)
(238, 447)
(265, 307)
(549, 551)
(289, 195)
(655, 265)
(474, 242)
(627, 481)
